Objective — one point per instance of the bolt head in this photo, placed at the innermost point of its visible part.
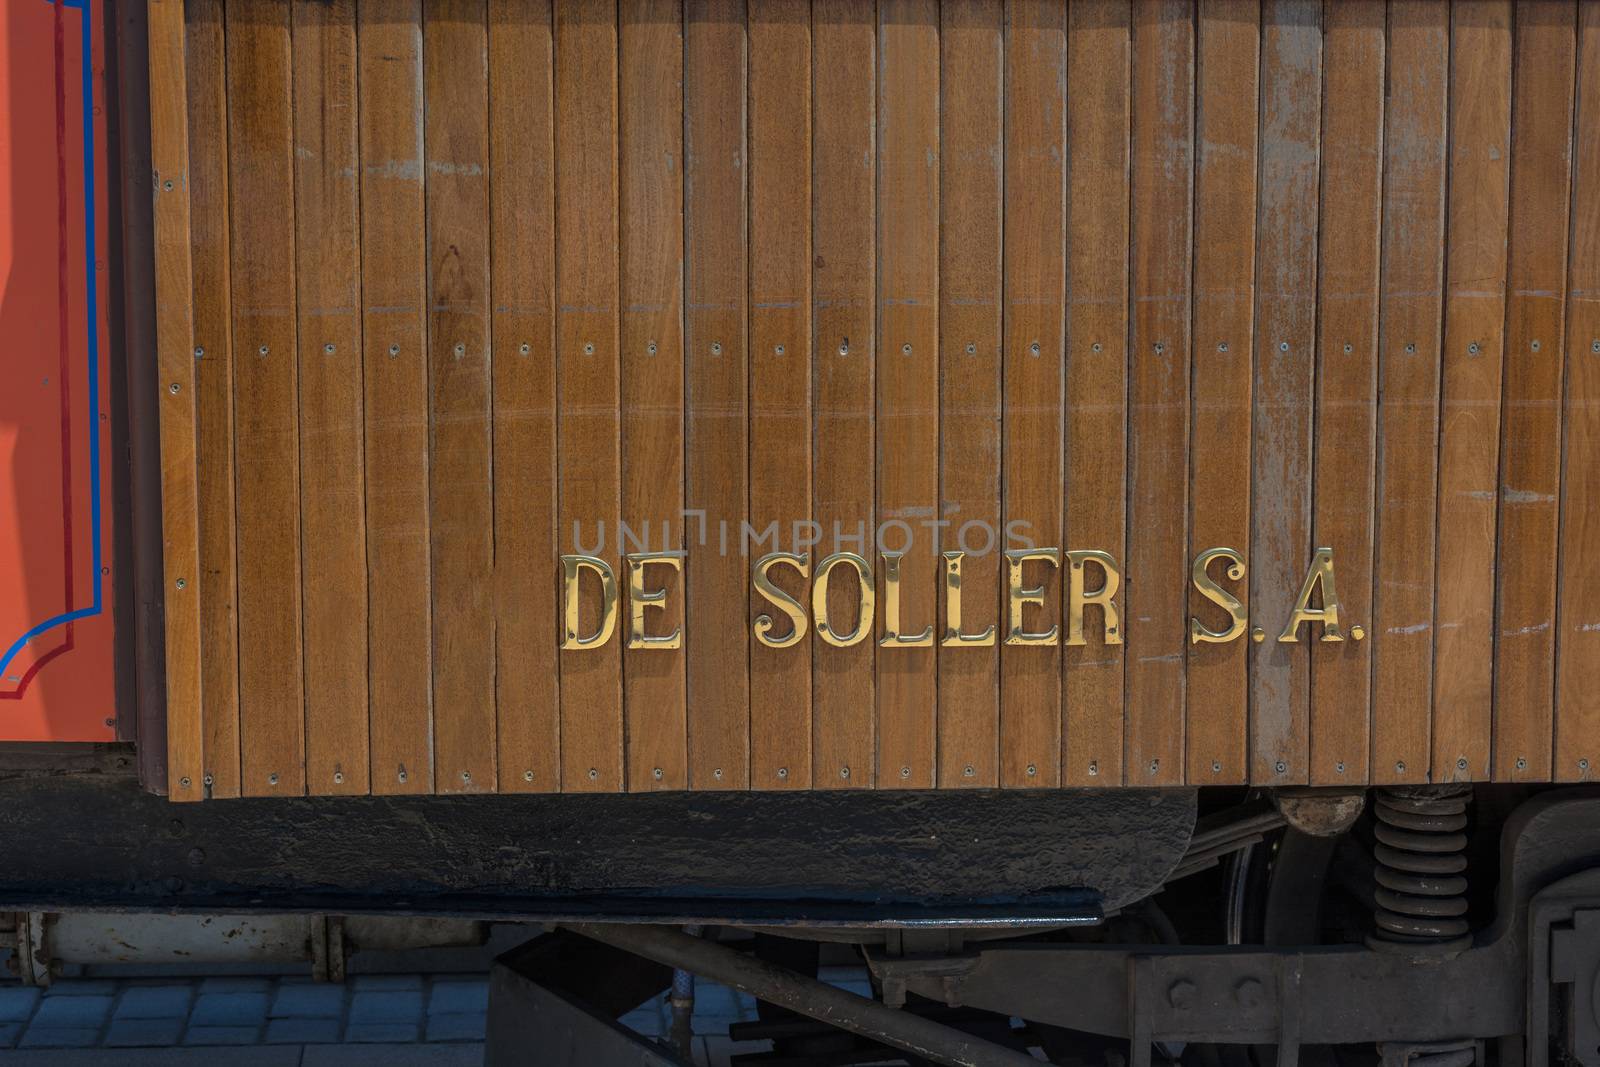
(1181, 994)
(1249, 992)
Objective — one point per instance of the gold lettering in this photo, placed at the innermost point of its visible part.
(864, 601)
(780, 599)
(1019, 596)
(953, 637)
(572, 568)
(640, 598)
(892, 637)
(1208, 588)
(1077, 597)
(1320, 576)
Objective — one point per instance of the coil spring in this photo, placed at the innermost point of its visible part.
(1421, 854)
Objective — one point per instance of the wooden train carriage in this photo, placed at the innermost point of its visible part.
(638, 395)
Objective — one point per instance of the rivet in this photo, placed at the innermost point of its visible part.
(200, 352)
(1094, 768)
(1522, 764)
(1280, 767)
(460, 349)
(1400, 767)
(272, 779)
(905, 772)
(338, 778)
(180, 583)
(1411, 350)
(844, 772)
(783, 772)
(524, 348)
(717, 774)
(1461, 764)
(588, 349)
(1358, 632)
(716, 348)
(1283, 346)
(906, 349)
(527, 776)
(1534, 346)
(1032, 770)
(1095, 347)
(594, 774)
(329, 349)
(967, 771)
(1248, 992)
(1034, 348)
(1472, 348)
(174, 388)
(1180, 994)
(1216, 766)
(657, 774)
(466, 776)
(207, 780)
(1339, 766)
(1258, 635)
(1222, 347)
(184, 781)
(844, 347)
(972, 349)
(777, 350)
(394, 350)
(1349, 348)
(263, 350)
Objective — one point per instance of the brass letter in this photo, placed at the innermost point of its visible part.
(780, 600)
(1321, 574)
(1018, 596)
(892, 637)
(1219, 596)
(1077, 597)
(953, 637)
(571, 568)
(640, 598)
(864, 603)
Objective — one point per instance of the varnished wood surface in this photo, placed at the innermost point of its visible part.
(444, 287)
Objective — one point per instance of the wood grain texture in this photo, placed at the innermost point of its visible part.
(588, 375)
(716, 289)
(333, 527)
(1226, 91)
(522, 335)
(1577, 734)
(1035, 292)
(1160, 252)
(971, 194)
(780, 370)
(908, 380)
(213, 397)
(1098, 117)
(843, 182)
(266, 385)
(1410, 310)
(1281, 434)
(1530, 450)
(174, 322)
(395, 380)
(1346, 377)
(651, 166)
(1469, 416)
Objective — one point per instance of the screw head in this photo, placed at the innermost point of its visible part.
(716, 348)
(1034, 348)
(783, 772)
(1522, 763)
(1411, 350)
(524, 348)
(588, 349)
(401, 775)
(272, 779)
(184, 781)
(967, 771)
(844, 348)
(1283, 346)
(972, 349)
(777, 350)
(1032, 770)
(594, 774)
(1339, 767)
(329, 349)
(394, 350)
(1281, 767)
(200, 352)
(844, 772)
(1461, 763)
(1094, 768)
(905, 772)
(657, 774)
(1222, 346)
(174, 388)
(338, 778)
(1400, 767)
(466, 776)
(527, 776)
(717, 774)
(1348, 348)
(1216, 766)
(1155, 765)
(906, 348)
(207, 780)
(1534, 346)
(263, 350)
(181, 583)
(1472, 348)
(1583, 765)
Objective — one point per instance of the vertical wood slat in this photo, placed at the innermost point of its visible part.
(1035, 292)
(1098, 116)
(1577, 727)
(587, 374)
(780, 372)
(971, 222)
(395, 376)
(907, 375)
(650, 147)
(1530, 406)
(1346, 379)
(1226, 84)
(522, 333)
(332, 512)
(266, 385)
(169, 157)
(843, 180)
(716, 292)
(1286, 264)
(1410, 309)
(213, 397)
(460, 469)
(1469, 438)
(1162, 203)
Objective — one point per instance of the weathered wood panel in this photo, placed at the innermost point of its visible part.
(1196, 310)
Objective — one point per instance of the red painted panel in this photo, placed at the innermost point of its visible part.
(56, 658)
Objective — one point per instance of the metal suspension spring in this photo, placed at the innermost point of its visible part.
(1421, 869)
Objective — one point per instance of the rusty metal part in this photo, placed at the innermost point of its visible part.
(1320, 812)
(1421, 869)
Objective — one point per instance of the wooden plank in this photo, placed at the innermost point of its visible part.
(972, 126)
(1286, 308)
(715, 363)
(1098, 117)
(1352, 190)
(1530, 449)
(461, 465)
(587, 374)
(213, 383)
(522, 331)
(843, 179)
(1035, 292)
(395, 362)
(651, 153)
(332, 511)
(1577, 727)
(267, 425)
(1226, 85)
(780, 371)
(908, 383)
(1475, 239)
(180, 535)
(1410, 307)
(1162, 202)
